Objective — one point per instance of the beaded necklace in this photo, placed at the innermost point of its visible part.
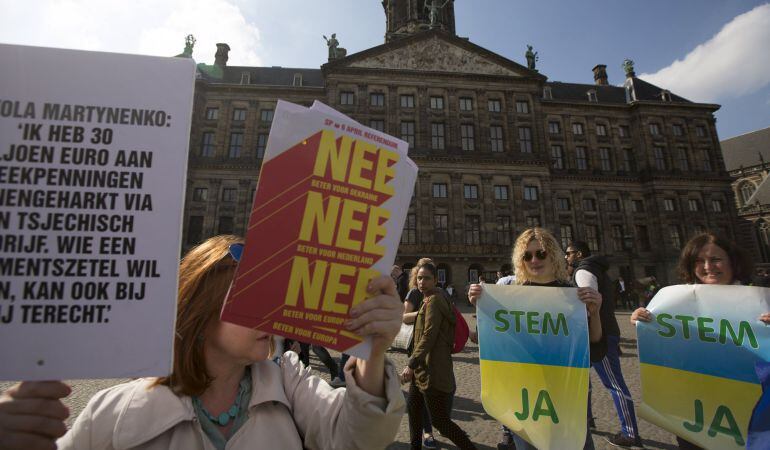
(224, 418)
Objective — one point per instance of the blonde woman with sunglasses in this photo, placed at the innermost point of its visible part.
(224, 391)
(539, 261)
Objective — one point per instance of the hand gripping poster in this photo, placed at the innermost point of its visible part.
(698, 359)
(330, 205)
(534, 357)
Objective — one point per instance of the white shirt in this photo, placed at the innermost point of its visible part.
(584, 278)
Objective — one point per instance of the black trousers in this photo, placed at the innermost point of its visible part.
(438, 405)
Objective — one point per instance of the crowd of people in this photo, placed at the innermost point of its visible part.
(229, 387)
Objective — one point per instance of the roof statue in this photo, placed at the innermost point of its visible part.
(434, 9)
(628, 66)
(189, 43)
(532, 58)
(335, 51)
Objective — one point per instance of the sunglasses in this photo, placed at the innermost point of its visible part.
(235, 251)
(540, 254)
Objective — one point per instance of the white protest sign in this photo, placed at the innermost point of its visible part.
(93, 159)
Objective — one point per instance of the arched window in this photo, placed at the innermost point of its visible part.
(474, 272)
(747, 189)
(763, 233)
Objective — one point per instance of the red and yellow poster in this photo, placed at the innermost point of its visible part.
(327, 217)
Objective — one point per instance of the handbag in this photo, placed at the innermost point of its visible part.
(403, 338)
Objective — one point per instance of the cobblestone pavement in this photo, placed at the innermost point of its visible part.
(468, 413)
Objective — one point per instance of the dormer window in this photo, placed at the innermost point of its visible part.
(592, 96)
(665, 96)
(547, 93)
(297, 80)
(245, 78)
(630, 93)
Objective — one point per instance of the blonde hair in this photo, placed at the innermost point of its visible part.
(415, 269)
(205, 274)
(555, 255)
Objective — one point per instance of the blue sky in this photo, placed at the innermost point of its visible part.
(712, 51)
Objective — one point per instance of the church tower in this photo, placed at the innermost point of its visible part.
(407, 17)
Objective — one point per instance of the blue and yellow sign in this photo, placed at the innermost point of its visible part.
(533, 350)
(697, 360)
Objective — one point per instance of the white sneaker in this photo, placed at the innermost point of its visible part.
(337, 382)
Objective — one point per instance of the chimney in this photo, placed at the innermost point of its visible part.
(600, 75)
(220, 58)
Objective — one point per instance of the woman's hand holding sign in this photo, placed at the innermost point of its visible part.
(474, 292)
(32, 416)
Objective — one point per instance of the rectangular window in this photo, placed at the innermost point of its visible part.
(581, 158)
(577, 129)
(677, 130)
(525, 139)
(706, 160)
(589, 204)
(347, 98)
(437, 136)
(470, 191)
(643, 238)
(592, 237)
(496, 138)
(522, 106)
(501, 192)
(613, 205)
(604, 159)
(377, 124)
(660, 158)
(530, 193)
(207, 144)
(693, 205)
(565, 231)
(494, 106)
(440, 228)
(557, 157)
(503, 230)
(200, 194)
(654, 129)
(266, 115)
(533, 221)
(228, 194)
(554, 127)
(563, 204)
(437, 102)
(700, 131)
(472, 230)
(409, 235)
(439, 190)
(676, 237)
(668, 204)
(601, 130)
(637, 206)
(377, 99)
(212, 113)
(616, 235)
(239, 115)
(628, 159)
(225, 225)
(236, 143)
(466, 104)
(466, 137)
(681, 155)
(407, 101)
(716, 205)
(407, 132)
(194, 229)
(623, 131)
(261, 145)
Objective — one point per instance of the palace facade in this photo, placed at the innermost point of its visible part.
(633, 170)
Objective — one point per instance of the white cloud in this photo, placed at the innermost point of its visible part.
(150, 27)
(732, 63)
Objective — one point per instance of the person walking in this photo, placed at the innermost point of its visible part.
(591, 271)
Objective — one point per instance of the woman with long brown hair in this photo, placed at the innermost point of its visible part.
(223, 390)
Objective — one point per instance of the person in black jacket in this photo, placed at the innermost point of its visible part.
(591, 271)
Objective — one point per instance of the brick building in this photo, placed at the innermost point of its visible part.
(634, 170)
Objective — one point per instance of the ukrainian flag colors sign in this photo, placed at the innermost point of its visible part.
(697, 361)
(533, 349)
